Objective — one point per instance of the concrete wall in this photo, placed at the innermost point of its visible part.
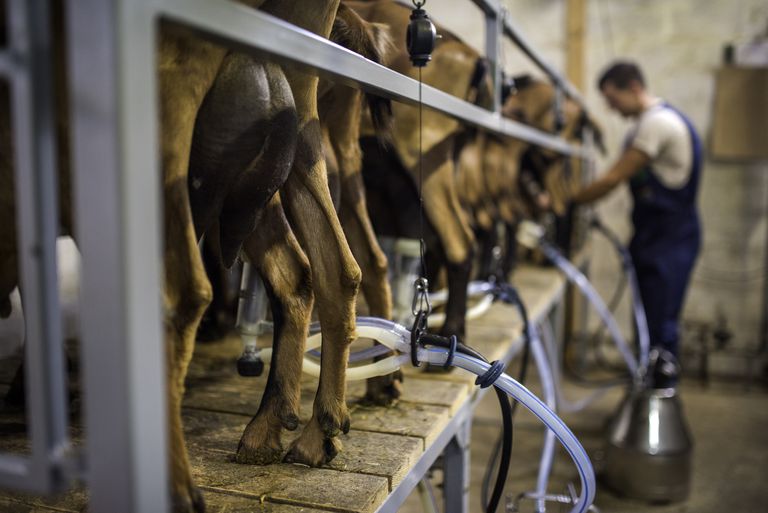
(679, 45)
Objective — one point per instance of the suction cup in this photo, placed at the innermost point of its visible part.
(250, 365)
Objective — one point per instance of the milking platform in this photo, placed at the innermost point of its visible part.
(386, 453)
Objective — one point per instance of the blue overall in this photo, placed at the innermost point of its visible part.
(665, 244)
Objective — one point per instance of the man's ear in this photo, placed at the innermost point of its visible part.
(636, 87)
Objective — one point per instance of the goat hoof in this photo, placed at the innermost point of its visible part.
(383, 390)
(191, 501)
(333, 424)
(258, 455)
(313, 447)
(314, 458)
(260, 443)
(331, 448)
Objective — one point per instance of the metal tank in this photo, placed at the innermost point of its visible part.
(650, 447)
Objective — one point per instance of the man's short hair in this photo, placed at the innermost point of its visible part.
(621, 74)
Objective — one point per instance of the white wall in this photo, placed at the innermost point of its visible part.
(679, 44)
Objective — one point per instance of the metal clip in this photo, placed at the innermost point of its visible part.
(421, 297)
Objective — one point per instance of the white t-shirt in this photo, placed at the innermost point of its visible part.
(662, 134)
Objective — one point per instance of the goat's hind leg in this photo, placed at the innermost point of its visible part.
(276, 254)
(380, 390)
(336, 278)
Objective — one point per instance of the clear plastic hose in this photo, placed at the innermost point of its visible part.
(475, 288)
(550, 399)
(638, 309)
(530, 235)
(545, 414)
(388, 333)
(564, 404)
(397, 337)
(577, 278)
(437, 319)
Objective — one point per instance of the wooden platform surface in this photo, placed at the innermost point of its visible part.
(383, 445)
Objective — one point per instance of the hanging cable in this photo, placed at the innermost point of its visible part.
(420, 41)
(509, 295)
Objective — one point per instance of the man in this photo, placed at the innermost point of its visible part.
(662, 163)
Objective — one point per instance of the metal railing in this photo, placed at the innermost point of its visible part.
(24, 64)
(116, 178)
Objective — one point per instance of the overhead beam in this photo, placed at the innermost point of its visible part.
(575, 30)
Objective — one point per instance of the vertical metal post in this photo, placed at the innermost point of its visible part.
(456, 460)
(763, 347)
(493, 32)
(112, 75)
(38, 222)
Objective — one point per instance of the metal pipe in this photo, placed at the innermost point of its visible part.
(247, 30)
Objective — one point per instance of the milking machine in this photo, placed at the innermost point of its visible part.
(416, 345)
(420, 347)
(482, 293)
(392, 335)
(251, 321)
(649, 446)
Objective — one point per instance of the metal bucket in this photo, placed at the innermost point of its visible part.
(650, 448)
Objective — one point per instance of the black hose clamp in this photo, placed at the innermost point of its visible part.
(454, 341)
(491, 375)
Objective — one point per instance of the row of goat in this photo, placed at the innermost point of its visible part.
(274, 166)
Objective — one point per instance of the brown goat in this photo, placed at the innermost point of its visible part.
(282, 264)
(392, 192)
(188, 68)
(341, 109)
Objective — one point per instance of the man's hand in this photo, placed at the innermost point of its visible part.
(630, 163)
(543, 201)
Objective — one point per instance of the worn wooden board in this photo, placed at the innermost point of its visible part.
(425, 421)
(384, 444)
(216, 502)
(431, 404)
(76, 502)
(72, 501)
(290, 484)
(377, 454)
(11, 506)
(419, 391)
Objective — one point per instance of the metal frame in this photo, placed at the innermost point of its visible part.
(116, 176)
(493, 9)
(251, 31)
(117, 187)
(26, 66)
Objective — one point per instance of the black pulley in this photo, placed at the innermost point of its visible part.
(420, 37)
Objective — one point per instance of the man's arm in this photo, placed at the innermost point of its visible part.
(632, 161)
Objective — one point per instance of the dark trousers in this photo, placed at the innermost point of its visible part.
(663, 280)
